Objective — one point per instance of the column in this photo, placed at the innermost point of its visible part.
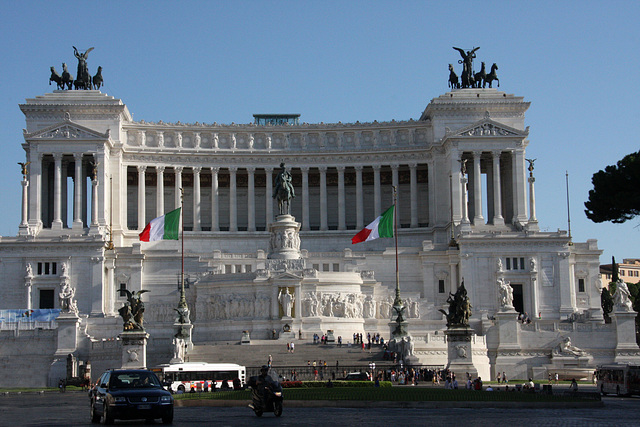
(497, 193)
(25, 206)
(341, 202)
(196, 199)
(413, 167)
(533, 221)
(94, 204)
(323, 198)
(215, 220)
(269, 196)
(478, 219)
(177, 203)
(251, 199)
(160, 191)
(519, 188)
(395, 182)
(141, 197)
(455, 189)
(77, 192)
(377, 197)
(110, 288)
(233, 216)
(359, 199)
(305, 198)
(35, 191)
(57, 193)
(431, 190)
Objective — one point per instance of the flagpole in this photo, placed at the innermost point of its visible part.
(397, 301)
(183, 299)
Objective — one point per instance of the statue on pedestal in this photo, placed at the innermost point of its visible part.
(506, 293)
(84, 78)
(283, 190)
(132, 312)
(467, 78)
(66, 298)
(286, 301)
(622, 297)
(459, 308)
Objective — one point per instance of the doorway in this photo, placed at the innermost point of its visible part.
(46, 298)
(518, 299)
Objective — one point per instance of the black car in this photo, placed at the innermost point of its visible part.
(357, 376)
(130, 394)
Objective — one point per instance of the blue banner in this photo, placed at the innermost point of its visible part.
(24, 315)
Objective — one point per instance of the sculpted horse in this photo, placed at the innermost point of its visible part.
(480, 76)
(454, 83)
(492, 76)
(67, 78)
(55, 77)
(97, 79)
(284, 200)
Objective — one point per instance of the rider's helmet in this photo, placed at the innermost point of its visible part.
(264, 370)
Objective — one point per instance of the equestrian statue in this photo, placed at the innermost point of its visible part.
(283, 191)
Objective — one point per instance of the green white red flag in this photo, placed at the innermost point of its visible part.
(165, 227)
(380, 227)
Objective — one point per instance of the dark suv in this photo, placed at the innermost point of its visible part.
(130, 394)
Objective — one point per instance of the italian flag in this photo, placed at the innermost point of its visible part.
(165, 227)
(380, 227)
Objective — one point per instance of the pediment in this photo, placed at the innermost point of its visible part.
(489, 128)
(286, 275)
(67, 130)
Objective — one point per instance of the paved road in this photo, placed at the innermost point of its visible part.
(56, 409)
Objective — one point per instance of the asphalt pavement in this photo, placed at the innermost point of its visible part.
(72, 409)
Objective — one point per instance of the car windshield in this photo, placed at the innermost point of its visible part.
(133, 380)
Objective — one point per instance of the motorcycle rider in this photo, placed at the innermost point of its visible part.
(259, 384)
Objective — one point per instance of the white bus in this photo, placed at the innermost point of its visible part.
(621, 379)
(191, 376)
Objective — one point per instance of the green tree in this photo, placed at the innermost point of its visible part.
(616, 191)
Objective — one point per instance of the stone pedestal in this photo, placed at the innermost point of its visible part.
(331, 339)
(134, 349)
(285, 239)
(626, 348)
(185, 330)
(68, 323)
(246, 338)
(459, 352)
(508, 331)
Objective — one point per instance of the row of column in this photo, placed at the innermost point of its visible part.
(33, 216)
(251, 196)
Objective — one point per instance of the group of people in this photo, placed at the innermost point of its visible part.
(524, 318)
(291, 346)
(502, 378)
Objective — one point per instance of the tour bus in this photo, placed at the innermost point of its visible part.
(620, 379)
(191, 376)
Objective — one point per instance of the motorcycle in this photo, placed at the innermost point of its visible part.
(266, 394)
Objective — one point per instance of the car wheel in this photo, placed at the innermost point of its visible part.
(108, 418)
(258, 413)
(95, 418)
(168, 419)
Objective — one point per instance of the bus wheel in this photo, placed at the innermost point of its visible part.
(618, 391)
(181, 388)
(602, 390)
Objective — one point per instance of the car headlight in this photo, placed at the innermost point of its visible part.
(119, 399)
(165, 399)
(278, 393)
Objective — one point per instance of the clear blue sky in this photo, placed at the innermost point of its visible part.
(330, 61)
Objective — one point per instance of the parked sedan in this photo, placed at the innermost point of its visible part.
(357, 376)
(130, 394)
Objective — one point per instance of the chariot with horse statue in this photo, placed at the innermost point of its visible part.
(468, 78)
(84, 79)
(283, 191)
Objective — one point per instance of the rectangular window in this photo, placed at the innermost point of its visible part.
(46, 298)
(441, 286)
(53, 268)
(325, 267)
(122, 289)
(521, 263)
(248, 268)
(39, 268)
(508, 263)
(316, 267)
(336, 267)
(580, 285)
(622, 272)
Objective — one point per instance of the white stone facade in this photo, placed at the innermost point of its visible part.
(461, 177)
